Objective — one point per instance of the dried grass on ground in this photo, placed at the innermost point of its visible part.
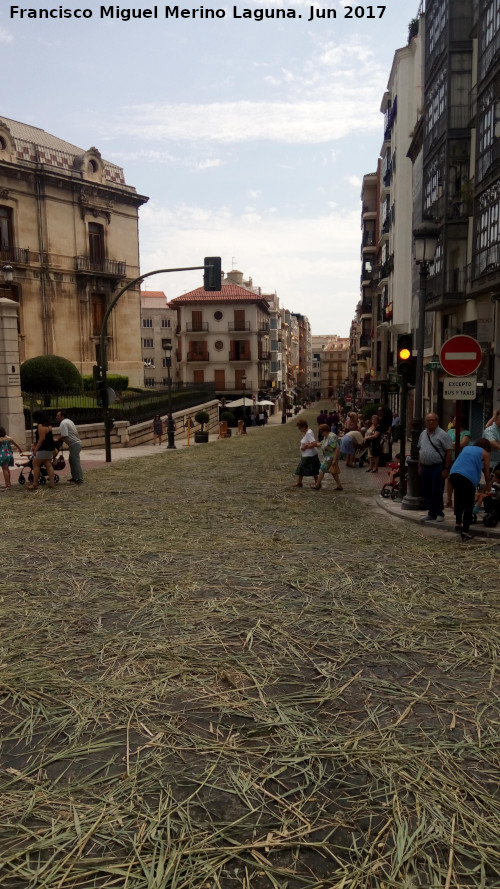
(211, 679)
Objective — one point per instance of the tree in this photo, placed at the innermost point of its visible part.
(50, 373)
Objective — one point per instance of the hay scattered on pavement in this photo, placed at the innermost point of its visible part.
(211, 679)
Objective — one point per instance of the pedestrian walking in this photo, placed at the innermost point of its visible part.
(6, 455)
(465, 475)
(43, 450)
(372, 438)
(158, 429)
(309, 461)
(434, 463)
(69, 434)
(330, 450)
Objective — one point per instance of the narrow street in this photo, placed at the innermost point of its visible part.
(214, 680)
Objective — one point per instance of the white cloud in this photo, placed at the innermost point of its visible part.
(304, 260)
(334, 93)
(355, 181)
(5, 37)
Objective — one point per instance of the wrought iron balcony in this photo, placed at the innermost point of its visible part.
(19, 255)
(194, 327)
(235, 325)
(198, 356)
(113, 267)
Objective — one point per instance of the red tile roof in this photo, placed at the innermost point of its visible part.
(229, 293)
(156, 294)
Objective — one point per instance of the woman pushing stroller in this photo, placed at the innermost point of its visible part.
(43, 450)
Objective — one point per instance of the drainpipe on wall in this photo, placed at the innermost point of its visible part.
(43, 292)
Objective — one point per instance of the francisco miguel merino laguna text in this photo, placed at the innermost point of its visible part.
(176, 12)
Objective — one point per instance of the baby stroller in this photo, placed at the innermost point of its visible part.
(491, 506)
(58, 463)
(391, 488)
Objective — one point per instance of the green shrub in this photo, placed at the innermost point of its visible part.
(202, 417)
(50, 373)
(116, 381)
(228, 417)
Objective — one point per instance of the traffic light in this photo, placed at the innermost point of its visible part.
(102, 393)
(405, 360)
(212, 275)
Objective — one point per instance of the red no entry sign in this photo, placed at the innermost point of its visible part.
(460, 355)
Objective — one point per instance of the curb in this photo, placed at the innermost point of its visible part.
(409, 516)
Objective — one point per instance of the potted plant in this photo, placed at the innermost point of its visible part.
(229, 418)
(202, 417)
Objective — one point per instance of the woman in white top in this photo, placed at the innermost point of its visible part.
(309, 464)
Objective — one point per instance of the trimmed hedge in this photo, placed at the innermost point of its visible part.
(50, 373)
(118, 382)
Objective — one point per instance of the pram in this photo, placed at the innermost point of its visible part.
(391, 488)
(58, 463)
(491, 506)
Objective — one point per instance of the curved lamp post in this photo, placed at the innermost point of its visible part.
(426, 237)
(103, 358)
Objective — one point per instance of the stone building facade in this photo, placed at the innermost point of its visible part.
(69, 230)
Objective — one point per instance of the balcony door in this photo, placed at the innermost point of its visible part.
(239, 319)
(96, 243)
(197, 320)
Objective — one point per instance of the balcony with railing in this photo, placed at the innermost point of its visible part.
(234, 355)
(198, 356)
(264, 355)
(18, 255)
(113, 267)
(196, 326)
(238, 325)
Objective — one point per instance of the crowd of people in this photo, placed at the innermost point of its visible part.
(351, 437)
(344, 436)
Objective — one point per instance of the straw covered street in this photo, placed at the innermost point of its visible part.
(211, 679)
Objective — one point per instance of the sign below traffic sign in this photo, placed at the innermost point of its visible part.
(459, 388)
(460, 355)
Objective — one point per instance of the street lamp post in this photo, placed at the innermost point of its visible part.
(167, 347)
(426, 238)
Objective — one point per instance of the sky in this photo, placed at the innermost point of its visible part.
(249, 136)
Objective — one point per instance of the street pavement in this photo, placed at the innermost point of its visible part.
(95, 458)
(214, 677)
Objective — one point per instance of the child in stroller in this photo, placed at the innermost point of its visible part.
(391, 487)
(58, 463)
(489, 502)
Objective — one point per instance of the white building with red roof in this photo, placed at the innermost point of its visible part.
(223, 338)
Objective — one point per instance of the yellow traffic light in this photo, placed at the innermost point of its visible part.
(404, 354)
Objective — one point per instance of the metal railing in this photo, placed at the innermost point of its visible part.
(114, 267)
(15, 254)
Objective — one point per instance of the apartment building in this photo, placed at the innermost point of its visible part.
(224, 337)
(158, 322)
(69, 231)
